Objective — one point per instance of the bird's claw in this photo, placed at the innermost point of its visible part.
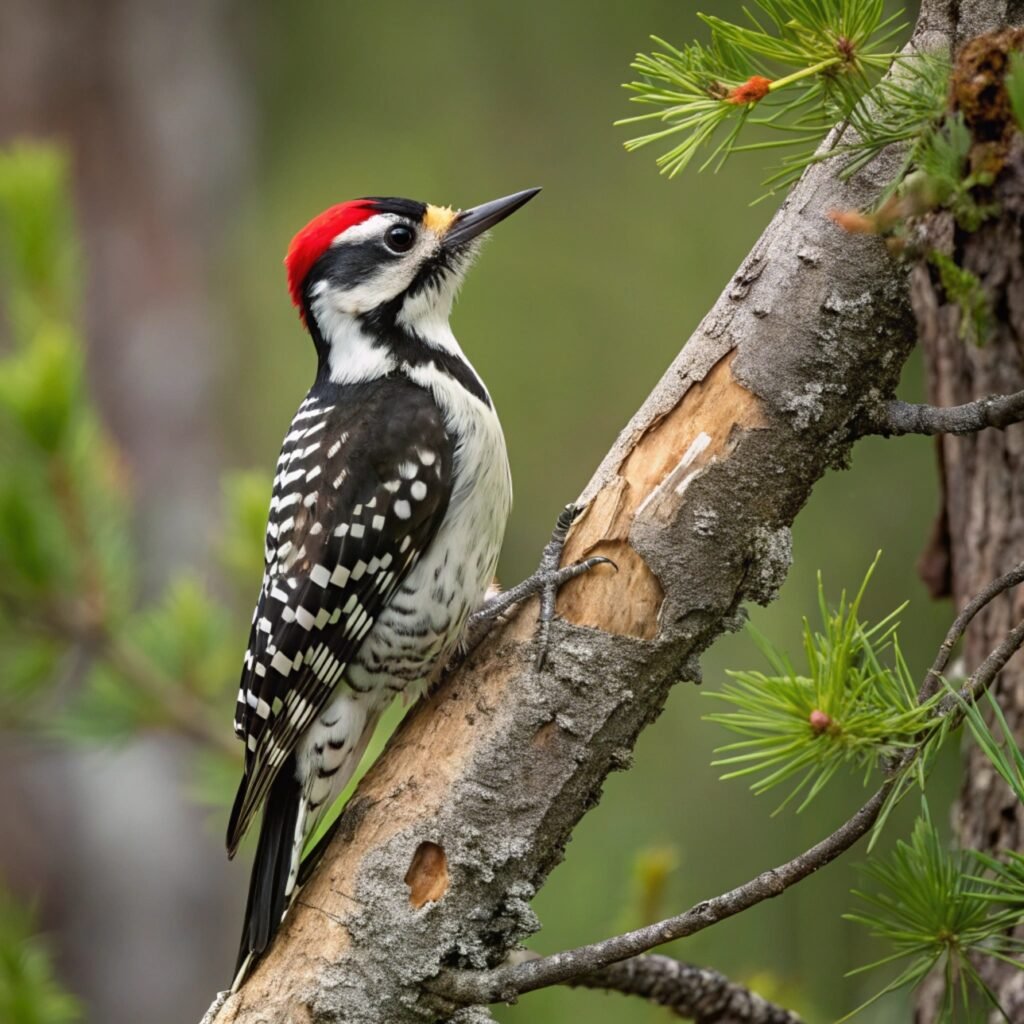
(546, 581)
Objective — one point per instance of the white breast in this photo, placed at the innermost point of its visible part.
(416, 634)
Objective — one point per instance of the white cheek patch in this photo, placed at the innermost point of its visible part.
(393, 275)
(390, 280)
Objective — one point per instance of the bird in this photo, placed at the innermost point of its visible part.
(389, 505)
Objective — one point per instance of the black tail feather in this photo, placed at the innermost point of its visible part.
(266, 903)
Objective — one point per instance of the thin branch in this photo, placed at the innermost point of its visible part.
(982, 678)
(505, 983)
(895, 419)
(694, 993)
(931, 681)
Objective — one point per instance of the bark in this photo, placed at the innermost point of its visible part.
(982, 531)
(694, 504)
(695, 993)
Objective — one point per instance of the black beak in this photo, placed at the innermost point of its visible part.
(476, 220)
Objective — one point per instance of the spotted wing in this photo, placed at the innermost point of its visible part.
(363, 482)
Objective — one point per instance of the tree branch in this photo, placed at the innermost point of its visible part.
(694, 993)
(506, 983)
(895, 418)
(1005, 582)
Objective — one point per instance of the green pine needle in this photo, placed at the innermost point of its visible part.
(929, 910)
(904, 108)
(853, 708)
(814, 61)
(820, 64)
(1003, 752)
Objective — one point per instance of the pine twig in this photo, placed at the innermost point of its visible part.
(181, 706)
(507, 982)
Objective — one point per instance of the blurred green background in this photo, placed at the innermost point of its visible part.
(574, 311)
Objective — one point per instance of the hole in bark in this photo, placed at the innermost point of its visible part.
(979, 92)
(427, 876)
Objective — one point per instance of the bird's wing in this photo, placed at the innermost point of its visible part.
(361, 488)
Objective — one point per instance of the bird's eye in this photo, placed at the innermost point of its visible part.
(399, 238)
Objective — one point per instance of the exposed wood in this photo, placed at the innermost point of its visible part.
(672, 452)
(427, 876)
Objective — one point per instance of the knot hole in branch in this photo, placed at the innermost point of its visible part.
(427, 876)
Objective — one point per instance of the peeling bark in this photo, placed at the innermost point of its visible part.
(694, 502)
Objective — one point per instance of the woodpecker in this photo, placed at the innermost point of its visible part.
(387, 514)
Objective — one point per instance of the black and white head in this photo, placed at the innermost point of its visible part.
(374, 279)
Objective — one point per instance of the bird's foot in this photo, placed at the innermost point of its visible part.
(548, 578)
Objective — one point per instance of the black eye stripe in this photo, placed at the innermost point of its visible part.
(348, 265)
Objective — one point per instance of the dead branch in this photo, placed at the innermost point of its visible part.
(694, 993)
(895, 418)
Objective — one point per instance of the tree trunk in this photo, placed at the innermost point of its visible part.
(982, 520)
